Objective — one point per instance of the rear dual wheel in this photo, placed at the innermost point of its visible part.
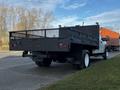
(83, 60)
(45, 62)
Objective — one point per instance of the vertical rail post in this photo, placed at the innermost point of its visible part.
(26, 34)
(45, 33)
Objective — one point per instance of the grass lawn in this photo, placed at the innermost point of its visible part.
(103, 75)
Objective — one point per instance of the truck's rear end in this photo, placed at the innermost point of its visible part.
(37, 40)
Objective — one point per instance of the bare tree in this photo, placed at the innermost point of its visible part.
(3, 24)
(33, 18)
(12, 18)
(20, 18)
(47, 19)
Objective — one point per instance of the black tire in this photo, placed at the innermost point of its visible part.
(105, 55)
(62, 60)
(45, 62)
(81, 62)
(39, 63)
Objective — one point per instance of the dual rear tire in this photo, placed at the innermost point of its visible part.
(82, 59)
(45, 62)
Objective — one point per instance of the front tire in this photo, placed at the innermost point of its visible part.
(105, 55)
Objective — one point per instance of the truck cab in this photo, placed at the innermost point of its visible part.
(102, 48)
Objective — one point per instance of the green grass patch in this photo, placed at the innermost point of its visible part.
(103, 75)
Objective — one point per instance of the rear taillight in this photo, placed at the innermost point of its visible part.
(63, 45)
(13, 45)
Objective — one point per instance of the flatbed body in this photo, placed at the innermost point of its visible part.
(67, 37)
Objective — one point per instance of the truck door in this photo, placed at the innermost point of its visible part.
(101, 48)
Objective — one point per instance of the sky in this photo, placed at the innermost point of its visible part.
(75, 12)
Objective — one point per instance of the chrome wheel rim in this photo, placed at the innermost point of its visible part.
(86, 60)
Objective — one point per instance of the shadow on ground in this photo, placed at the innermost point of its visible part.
(27, 66)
